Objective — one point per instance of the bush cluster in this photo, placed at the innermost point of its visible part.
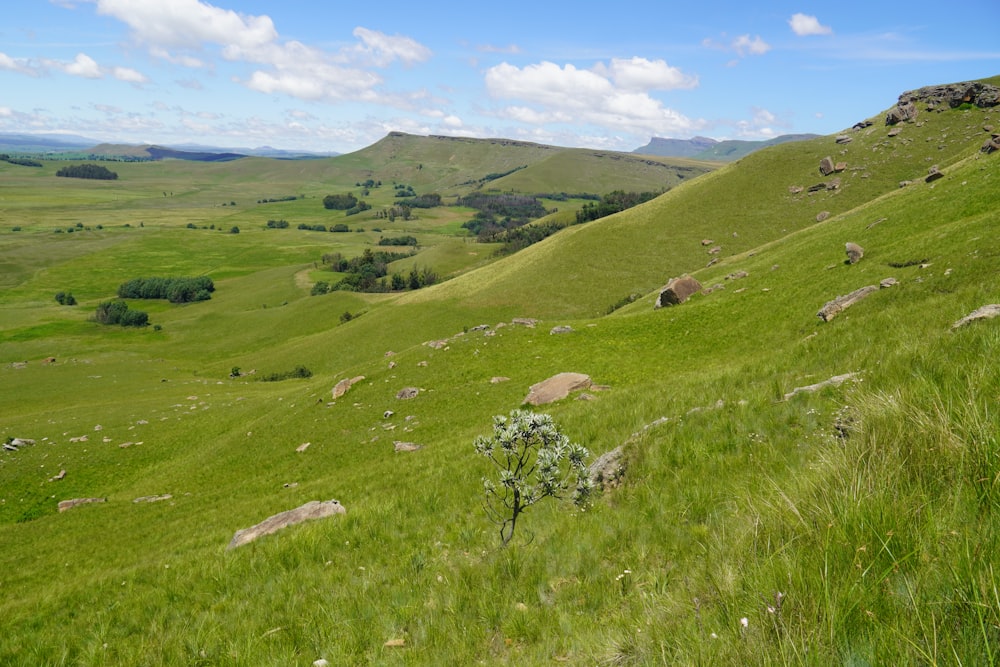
(117, 312)
(297, 372)
(174, 290)
(88, 171)
(65, 299)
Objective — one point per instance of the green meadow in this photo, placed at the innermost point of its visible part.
(849, 524)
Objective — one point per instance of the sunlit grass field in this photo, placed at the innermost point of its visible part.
(850, 525)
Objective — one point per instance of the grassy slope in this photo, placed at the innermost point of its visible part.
(879, 542)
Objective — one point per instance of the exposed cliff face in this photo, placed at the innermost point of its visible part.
(953, 95)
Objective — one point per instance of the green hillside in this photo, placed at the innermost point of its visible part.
(850, 523)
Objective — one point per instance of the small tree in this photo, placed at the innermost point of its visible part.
(534, 460)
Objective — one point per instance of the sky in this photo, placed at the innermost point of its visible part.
(332, 76)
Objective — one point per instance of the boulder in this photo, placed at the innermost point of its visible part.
(982, 313)
(608, 469)
(677, 291)
(904, 110)
(822, 215)
(834, 307)
(407, 393)
(75, 502)
(844, 139)
(854, 252)
(341, 387)
(315, 509)
(152, 499)
(933, 174)
(525, 322)
(562, 329)
(826, 166)
(401, 446)
(557, 387)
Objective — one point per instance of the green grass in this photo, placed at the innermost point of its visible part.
(868, 506)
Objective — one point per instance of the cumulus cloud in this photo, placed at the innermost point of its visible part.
(743, 45)
(189, 32)
(804, 24)
(608, 95)
(188, 23)
(128, 75)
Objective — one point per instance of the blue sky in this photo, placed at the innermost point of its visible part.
(338, 76)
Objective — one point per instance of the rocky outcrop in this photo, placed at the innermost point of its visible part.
(76, 502)
(836, 380)
(315, 509)
(904, 110)
(836, 306)
(952, 95)
(341, 387)
(608, 469)
(933, 174)
(677, 291)
(556, 388)
(983, 313)
(827, 166)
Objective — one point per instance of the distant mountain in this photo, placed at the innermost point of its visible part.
(705, 148)
(71, 143)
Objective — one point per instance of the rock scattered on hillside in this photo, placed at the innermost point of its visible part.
(16, 443)
(826, 166)
(344, 385)
(152, 499)
(904, 110)
(933, 174)
(608, 469)
(992, 144)
(952, 95)
(401, 446)
(822, 215)
(75, 502)
(836, 380)
(982, 313)
(312, 510)
(854, 252)
(557, 387)
(497, 379)
(60, 476)
(562, 329)
(836, 306)
(303, 447)
(525, 322)
(844, 139)
(677, 291)
(407, 393)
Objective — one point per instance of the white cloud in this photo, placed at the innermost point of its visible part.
(19, 65)
(743, 45)
(608, 96)
(188, 23)
(129, 75)
(384, 49)
(83, 66)
(804, 24)
(642, 74)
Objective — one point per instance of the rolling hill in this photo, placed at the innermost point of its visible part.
(788, 490)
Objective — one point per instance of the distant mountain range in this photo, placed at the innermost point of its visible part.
(71, 143)
(706, 148)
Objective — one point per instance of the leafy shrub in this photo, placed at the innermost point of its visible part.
(117, 312)
(297, 372)
(277, 224)
(322, 287)
(234, 230)
(65, 299)
(339, 227)
(340, 202)
(398, 240)
(533, 460)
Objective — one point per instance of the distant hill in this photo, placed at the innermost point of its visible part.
(706, 148)
(71, 143)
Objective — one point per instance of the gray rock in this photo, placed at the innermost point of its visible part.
(76, 502)
(933, 174)
(832, 382)
(608, 469)
(562, 329)
(677, 291)
(826, 166)
(310, 511)
(822, 215)
(557, 387)
(407, 393)
(836, 306)
(983, 313)
(401, 446)
(844, 139)
(344, 385)
(854, 252)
